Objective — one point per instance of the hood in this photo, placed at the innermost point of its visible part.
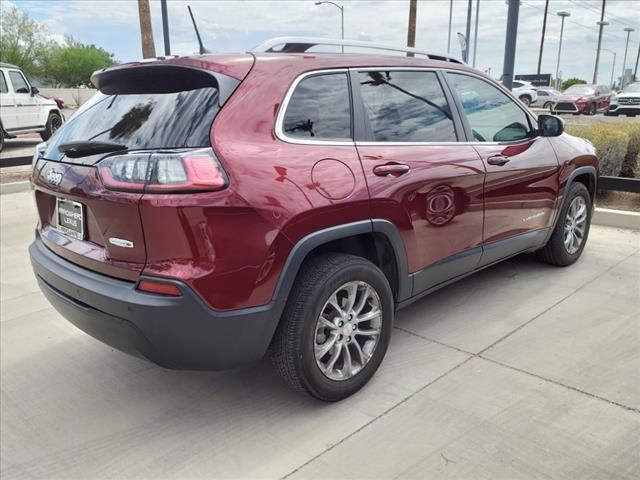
(572, 97)
(627, 94)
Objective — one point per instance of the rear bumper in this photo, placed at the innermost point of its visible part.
(174, 332)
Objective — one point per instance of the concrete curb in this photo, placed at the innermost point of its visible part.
(14, 187)
(616, 218)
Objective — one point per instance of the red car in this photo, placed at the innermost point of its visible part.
(202, 211)
(583, 98)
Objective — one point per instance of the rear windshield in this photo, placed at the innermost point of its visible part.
(142, 120)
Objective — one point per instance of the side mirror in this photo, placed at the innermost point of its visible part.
(550, 126)
(34, 91)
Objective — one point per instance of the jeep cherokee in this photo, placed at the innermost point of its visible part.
(201, 212)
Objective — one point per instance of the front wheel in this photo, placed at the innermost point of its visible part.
(336, 327)
(54, 122)
(593, 109)
(1, 138)
(572, 228)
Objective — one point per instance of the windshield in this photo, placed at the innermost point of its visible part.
(142, 121)
(633, 88)
(580, 89)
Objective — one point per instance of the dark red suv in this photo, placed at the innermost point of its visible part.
(202, 211)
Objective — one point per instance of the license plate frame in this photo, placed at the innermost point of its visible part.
(70, 218)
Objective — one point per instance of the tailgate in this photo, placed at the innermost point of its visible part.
(104, 232)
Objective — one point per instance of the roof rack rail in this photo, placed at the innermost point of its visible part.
(302, 44)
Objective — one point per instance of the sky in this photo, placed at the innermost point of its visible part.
(238, 26)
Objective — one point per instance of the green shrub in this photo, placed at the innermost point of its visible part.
(631, 163)
(611, 143)
(572, 81)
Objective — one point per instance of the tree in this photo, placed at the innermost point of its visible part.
(71, 64)
(23, 41)
(572, 81)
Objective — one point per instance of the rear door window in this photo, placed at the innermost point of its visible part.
(319, 108)
(3, 84)
(406, 106)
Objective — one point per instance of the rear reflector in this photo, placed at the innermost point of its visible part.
(163, 172)
(160, 288)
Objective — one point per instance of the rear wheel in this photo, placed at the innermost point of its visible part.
(54, 122)
(526, 99)
(336, 327)
(547, 105)
(572, 228)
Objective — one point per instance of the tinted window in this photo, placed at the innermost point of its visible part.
(142, 121)
(517, 84)
(320, 108)
(543, 93)
(406, 107)
(494, 117)
(19, 83)
(3, 84)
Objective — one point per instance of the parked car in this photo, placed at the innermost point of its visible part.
(584, 98)
(525, 91)
(626, 102)
(22, 110)
(203, 211)
(546, 97)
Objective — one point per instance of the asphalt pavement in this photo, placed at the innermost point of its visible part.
(523, 371)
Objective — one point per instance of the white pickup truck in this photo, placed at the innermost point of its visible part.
(22, 110)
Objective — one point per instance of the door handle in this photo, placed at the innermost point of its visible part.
(498, 160)
(394, 169)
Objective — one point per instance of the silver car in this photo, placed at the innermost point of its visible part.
(546, 96)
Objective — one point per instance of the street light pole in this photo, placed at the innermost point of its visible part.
(602, 24)
(341, 7)
(475, 34)
(450, 20)
(467, 34)
(624, 61)
(544, 29)
(563, 15)
(613, 67)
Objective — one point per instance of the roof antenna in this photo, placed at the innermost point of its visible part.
(195, 27)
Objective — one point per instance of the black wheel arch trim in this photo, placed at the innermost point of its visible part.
(316, 239)
(589, 170)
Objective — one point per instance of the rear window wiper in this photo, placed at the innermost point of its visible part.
(83, 149)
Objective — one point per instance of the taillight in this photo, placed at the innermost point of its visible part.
(163, 172)
(159, 288)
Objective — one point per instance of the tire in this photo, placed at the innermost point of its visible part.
(1, 139)
(547, 105)
(293, 348)
(592, 109)
(53, 123)
(526, 99)
(555, 252)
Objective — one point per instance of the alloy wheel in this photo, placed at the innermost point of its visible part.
(575, 225)
(348, 330)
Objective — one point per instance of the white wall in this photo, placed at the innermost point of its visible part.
(73, 97)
